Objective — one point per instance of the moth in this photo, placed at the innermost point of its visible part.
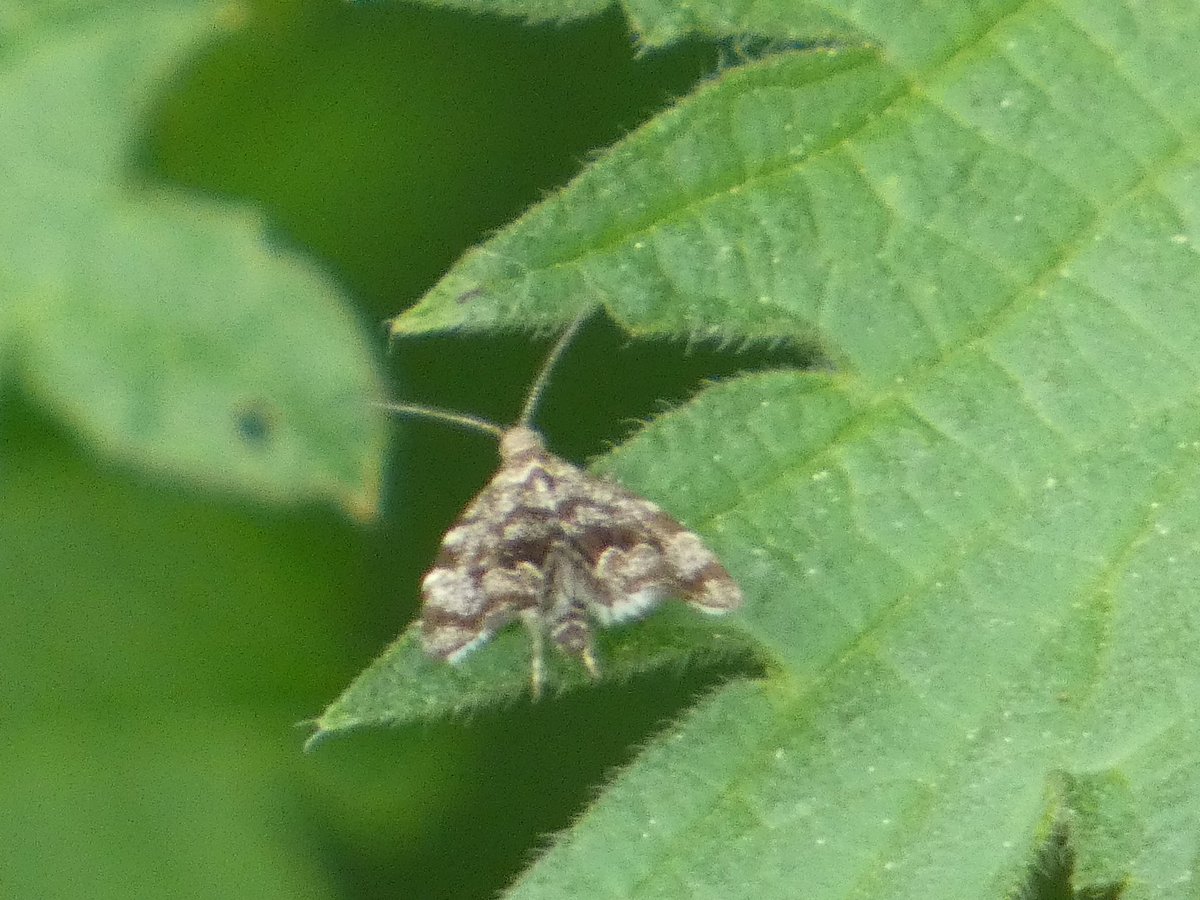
(557, 548)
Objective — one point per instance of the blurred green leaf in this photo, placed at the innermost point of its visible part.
(171, 331)
(156, 650)
(970, 557)
(145, 808)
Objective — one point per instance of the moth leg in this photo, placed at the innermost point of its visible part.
(571, 593)
(571, 630)
(589, 662)
(516, 590)
(537, 652)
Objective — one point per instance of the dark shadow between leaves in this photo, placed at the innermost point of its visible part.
(1052, 873)
(517, 775)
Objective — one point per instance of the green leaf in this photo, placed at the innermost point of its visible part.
(655, 229)
(171, 331)
(971, 553)
(148, 806)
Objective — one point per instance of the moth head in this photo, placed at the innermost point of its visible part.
(519, 441)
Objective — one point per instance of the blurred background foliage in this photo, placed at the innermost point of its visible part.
(159, 645)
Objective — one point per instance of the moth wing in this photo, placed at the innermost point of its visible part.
(641, 555)
(474, 588)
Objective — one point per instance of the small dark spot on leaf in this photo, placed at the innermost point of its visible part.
(468, 296)
(255, 425)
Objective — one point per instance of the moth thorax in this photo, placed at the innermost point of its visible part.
(520, 441)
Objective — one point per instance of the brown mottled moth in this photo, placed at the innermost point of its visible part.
(557, 548)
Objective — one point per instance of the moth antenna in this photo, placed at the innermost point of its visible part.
(442, 415)
(539, 385)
